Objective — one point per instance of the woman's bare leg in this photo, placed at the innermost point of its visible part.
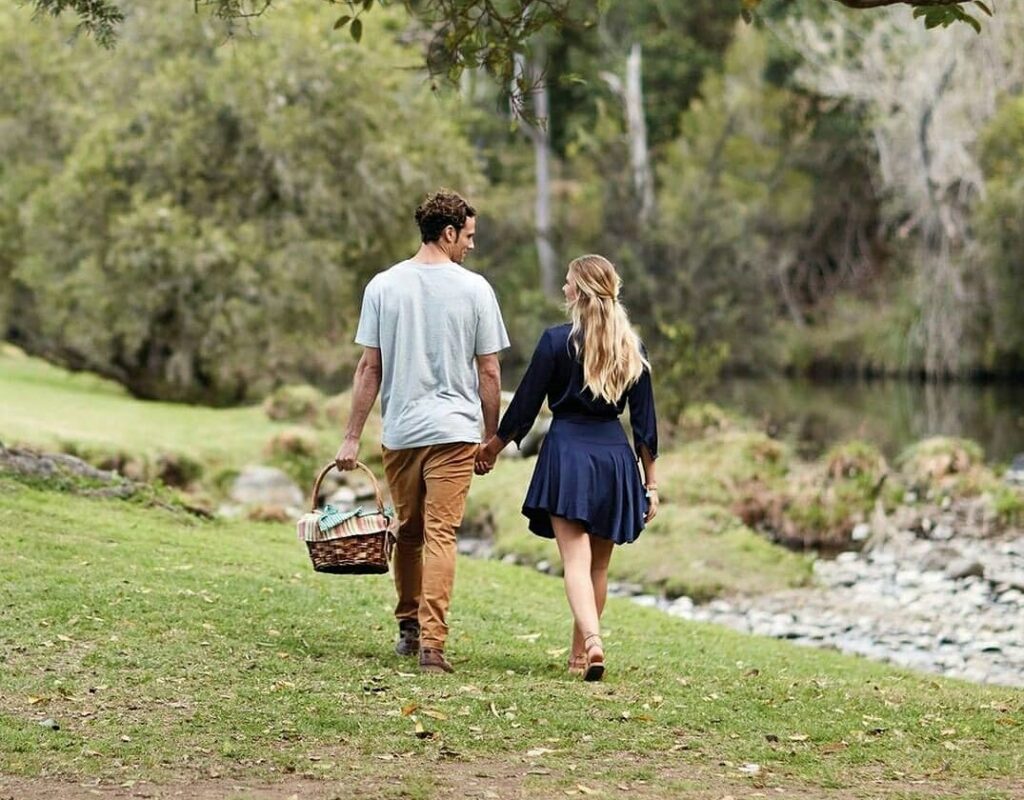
(600, 558)
(574, 547)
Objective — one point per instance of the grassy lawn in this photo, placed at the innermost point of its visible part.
(169, 649)
(47, 406)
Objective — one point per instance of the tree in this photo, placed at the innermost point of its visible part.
(206, 236)
(927, 107)
(471, 33)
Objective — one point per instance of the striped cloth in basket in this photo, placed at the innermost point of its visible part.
(329, 523)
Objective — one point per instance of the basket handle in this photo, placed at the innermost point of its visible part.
(328, 467)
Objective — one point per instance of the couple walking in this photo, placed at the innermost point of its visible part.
(431, 332)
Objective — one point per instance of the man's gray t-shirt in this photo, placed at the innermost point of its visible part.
(430, 321)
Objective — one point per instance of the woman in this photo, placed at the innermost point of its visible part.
(586, 490)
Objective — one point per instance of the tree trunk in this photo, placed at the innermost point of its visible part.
(636, 128)
(538, 131)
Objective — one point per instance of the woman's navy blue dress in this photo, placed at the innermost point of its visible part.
(586, 470)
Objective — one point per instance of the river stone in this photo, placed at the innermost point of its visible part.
(942, 532)
(258, 485)
(1015, 474)
(965, 568)
(343, 497)
(938, 559)
(861, 532)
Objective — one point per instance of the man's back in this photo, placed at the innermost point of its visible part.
(430, 321)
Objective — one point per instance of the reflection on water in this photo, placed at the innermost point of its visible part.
(891, 414)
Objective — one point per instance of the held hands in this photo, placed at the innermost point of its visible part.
(347, 455)
(487, 455)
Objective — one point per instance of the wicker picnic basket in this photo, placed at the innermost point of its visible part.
(356, 542)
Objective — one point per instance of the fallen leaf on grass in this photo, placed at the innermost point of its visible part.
(558, 651)
(429, 712)
(833, 747)
(586, 790)
(35, 701)
(750, 769)
(420, 731)
(408, 709)
(798, 737)
(1006, 721)
(538, 751)
(528, 637)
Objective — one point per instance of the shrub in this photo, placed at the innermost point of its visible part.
(299, 403)
(297, 451)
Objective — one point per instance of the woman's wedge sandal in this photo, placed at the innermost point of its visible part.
(594, 669)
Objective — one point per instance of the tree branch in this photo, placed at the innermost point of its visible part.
(865, 4)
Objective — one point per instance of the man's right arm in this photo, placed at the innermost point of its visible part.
(489, 371)
(365, 386)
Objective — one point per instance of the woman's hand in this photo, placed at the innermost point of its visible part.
(652, 505)
(487, 455)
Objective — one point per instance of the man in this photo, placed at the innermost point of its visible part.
(431, 331)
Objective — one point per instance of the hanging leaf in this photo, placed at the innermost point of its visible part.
(356, 29)
(342, 21)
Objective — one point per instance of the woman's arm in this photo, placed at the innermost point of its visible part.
(522, 411)
(651, 482)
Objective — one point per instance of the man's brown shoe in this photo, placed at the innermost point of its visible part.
(432, 660)
(408, 643)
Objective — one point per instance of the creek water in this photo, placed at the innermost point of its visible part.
(892, 414)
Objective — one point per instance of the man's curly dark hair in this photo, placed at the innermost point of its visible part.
(439, 210)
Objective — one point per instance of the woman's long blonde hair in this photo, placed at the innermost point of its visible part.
(601, 330)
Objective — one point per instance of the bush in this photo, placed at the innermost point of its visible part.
(946, 465)
(297, 451)
(301, 403)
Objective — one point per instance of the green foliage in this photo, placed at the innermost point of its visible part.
(301, 403)
(730, 193)
(683, 369)
(191, 282)
(945, 465)
(299, 451)
(1008, 502)
(946, 15)
(1000, 229)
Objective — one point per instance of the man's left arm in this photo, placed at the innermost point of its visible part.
(365, 387)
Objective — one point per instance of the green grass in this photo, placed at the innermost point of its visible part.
(693, 547)
(46, 406)
(166, 647)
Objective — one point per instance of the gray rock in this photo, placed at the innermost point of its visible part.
(938, 559)
(258, 485)
(49, 723)
(965, 568)
(342, 497)
(861, 532)
(942, 532)
(1015, 474)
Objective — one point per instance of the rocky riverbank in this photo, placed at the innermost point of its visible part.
(931, 590)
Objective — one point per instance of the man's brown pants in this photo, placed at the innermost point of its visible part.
(429, 487)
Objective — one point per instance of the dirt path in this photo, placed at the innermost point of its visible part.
(497, 780)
